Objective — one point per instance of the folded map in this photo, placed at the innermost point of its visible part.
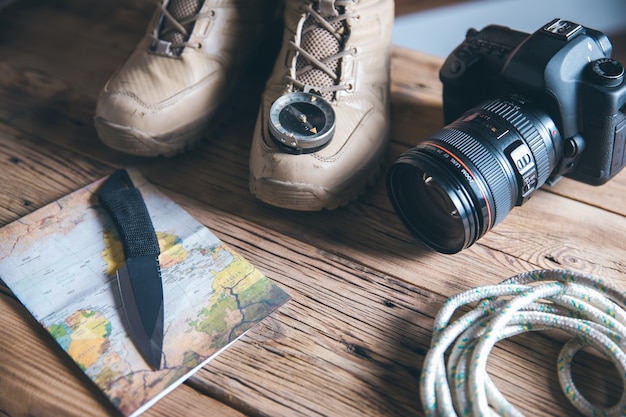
(60, 261)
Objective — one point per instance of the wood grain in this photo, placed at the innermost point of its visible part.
(364, 292)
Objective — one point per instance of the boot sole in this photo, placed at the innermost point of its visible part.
(136, 142)
(311, 197)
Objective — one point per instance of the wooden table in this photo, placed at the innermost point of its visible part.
(352, 340)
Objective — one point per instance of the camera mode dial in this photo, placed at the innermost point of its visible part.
(607, 72)
(301, 122)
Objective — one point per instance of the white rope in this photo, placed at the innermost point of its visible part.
(588, 309)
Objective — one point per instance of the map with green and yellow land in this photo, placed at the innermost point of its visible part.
(61, 260)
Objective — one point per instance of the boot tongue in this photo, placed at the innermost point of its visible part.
(180, 10)
(327, 8)
(320, 43)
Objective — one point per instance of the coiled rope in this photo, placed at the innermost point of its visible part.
(585, 307)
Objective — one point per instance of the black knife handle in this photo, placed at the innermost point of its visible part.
(126, 207)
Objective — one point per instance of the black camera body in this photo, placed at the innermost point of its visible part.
(564, 69)
(520, 110)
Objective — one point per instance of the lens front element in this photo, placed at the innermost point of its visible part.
(434, 202)
(454, 187)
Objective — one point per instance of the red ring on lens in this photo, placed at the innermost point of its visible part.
(478, 183)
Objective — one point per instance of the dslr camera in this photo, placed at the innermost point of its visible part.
(520, 110)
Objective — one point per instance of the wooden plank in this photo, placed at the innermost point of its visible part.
(32, 367)
(56, 70)
(187, 401)
(31, 181)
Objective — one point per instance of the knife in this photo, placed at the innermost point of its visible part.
(139, 280)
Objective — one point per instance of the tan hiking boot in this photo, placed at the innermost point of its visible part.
(162, 98)
(333, 66)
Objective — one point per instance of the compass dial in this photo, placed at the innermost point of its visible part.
(301, 122)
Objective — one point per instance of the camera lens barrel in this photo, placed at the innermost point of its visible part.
(456, 185)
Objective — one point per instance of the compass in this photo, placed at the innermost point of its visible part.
(301, 122)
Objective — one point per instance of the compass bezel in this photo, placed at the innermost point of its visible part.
(295, 142)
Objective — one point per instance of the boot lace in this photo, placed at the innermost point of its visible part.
(321, 47)
(176, 23)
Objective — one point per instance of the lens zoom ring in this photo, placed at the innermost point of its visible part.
(495, 178)
(529, 132)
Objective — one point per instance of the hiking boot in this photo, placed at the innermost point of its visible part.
(162, 98)
(333, 66)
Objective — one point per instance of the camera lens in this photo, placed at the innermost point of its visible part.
(455, 186)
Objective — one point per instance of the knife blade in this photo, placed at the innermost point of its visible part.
(139, 280)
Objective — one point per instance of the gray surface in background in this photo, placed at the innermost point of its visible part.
(438, 31)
